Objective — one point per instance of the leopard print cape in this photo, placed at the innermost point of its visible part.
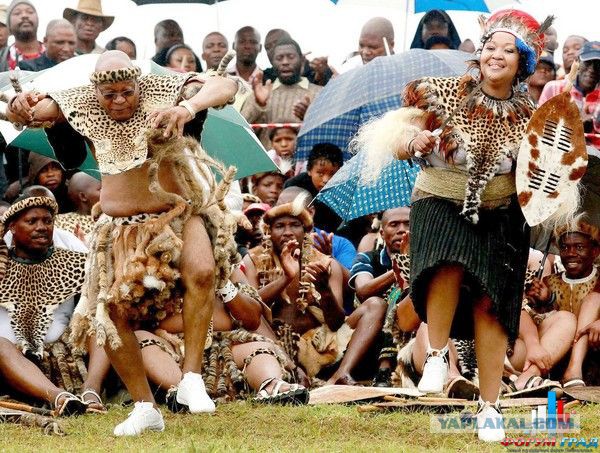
(119, 145)
(31, 293)
(69, 221)
(487, 130)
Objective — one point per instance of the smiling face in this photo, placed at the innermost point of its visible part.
(577, 254)
(499, 60)
(32, 232)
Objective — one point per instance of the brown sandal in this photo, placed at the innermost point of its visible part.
(90, 409)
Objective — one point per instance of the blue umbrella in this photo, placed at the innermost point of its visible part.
(351, 198)
(421, 6)
(353, 98)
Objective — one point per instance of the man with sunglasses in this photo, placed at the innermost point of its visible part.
(152, 249)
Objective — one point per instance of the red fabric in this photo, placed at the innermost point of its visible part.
(526, 19)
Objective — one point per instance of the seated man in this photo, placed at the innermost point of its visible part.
(37, 288)
(375, 282)
(302, 286)
(236, 360)
(562, 295)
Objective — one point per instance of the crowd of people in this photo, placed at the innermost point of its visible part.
(185, 289)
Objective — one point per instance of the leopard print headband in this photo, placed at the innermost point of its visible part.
(115, 75)
(28, 203)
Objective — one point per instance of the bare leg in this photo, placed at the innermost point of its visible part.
(589, 312)
(367, 321)
(490, 349)
(198, 274)
(442, 300)
(262, 366)
(98, 366)
(23, 375)
(127, 361)
(160, 367)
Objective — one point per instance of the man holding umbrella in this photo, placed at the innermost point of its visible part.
(151, 252)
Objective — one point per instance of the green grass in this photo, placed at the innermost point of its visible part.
(245, 427)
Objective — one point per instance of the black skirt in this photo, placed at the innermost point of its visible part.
(493, 254)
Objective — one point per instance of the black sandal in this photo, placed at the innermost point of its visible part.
(297, 395)
(71, 405)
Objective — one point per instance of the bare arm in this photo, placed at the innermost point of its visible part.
(367, 286)
(243, 307)
(329, 286)
(31, 107)
(271, 292)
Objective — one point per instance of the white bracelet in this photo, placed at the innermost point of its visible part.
(188, 106)
(228, 292)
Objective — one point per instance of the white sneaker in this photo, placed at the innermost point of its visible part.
(143, 417)
(192, 393)
(435, 371)
(490, 424)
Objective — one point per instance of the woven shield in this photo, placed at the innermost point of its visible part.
(552, 159)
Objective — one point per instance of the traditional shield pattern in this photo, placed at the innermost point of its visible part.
(552, 159)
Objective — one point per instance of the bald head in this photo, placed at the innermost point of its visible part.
(371, 41)
(393, 213)
(84, 192)
(289, 194)
(38, 191)
(57, 24)
(113, 59)
(60, 40)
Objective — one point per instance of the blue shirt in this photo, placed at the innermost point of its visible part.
(374, 263)
(341, 249)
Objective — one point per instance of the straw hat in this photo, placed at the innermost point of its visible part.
(91, 8)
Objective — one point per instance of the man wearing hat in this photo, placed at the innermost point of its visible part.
(22, 21)
(585, 91)
(89, 22)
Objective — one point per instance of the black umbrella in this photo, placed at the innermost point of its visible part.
(155, 2)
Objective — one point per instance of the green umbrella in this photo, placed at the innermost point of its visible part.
(226, 135)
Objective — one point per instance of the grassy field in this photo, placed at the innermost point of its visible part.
(245, 427)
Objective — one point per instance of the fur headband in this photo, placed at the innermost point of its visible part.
(293, 209)
(115, 75)
(28, 203)
(578, 225)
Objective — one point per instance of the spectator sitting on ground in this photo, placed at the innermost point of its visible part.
(89, 22)
(45, 305)
(572, 293)
(247, 46)
(84, 193)
(60, 46)
(374, 281)
(22, 21)
(60, 238)
(435, 23)
(124, 44)
(286, 99)
(181, 58)
(214, 48)
(545, 72)
(241, 354)
(302, 286)
(324, 161)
